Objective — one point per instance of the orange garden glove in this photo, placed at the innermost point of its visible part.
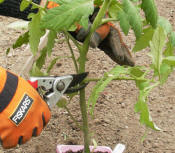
(23, 113)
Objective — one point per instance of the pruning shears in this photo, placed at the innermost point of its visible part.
(51, 89)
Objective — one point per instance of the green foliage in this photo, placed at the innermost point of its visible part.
(41, 60)
(165, 24)
(52, 63)
(165, 70)
(169, 51)
(124, 23)
(156, 45)
(98, 2)
(170, 60)
(1, 1)
(51, 41)
(7, 51)
(63, 17)
(133, 17)
(116, 11)
(37, 72)
(24, 5)
(100, 86)
(35, 31)
(144, 40)
(150, 10)
(142, 108)
(23, 39)
(172, 38)
(62, 103)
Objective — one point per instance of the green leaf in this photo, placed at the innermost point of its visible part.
(35, 32)
(170, 60)
(24, 4)
(156, 45)
(7, 51)
(64, 16)
(1, 1)
(142, 108)
(144, 40)
(72, 95)
(116, 11)
(23, 39)
(53, 62)
(124, 23)
(41, 60)
(61, 2)
(135, 0)
(73, 28)
(150, 9)
(165, 24)
(142, 84)
(62, 103)
(136, 72)
(36, 71)
(51, 41)
(165, 71)
(98, 2)
(100, 86)
(133, 17)
(169, 51)
(114, 8)
(172, 38)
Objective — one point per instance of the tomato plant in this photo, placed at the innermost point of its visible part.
(152, 32)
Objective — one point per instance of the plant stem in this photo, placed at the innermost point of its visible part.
(74, 41)
(85, 121)
(72, 53)
(108, 20)
(96, 23)
(82, 62)
(36, 5)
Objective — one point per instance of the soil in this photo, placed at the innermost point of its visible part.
(115, 120)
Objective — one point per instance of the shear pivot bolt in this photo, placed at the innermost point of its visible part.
(60, 86)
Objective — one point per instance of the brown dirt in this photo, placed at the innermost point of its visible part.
(115, 120)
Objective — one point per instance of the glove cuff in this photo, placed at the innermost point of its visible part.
(12, 8)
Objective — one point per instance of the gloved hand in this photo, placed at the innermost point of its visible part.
(23, 113)
(108, 39)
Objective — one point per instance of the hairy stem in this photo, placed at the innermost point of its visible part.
(82, 62)
(74, 41)
(36, 5)
(108, 20)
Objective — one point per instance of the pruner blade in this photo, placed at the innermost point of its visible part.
(76, 83)
(51, 89)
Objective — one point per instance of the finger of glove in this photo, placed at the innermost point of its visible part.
(103, 31)
(9, 141)
(116, 49)
(81, 32)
